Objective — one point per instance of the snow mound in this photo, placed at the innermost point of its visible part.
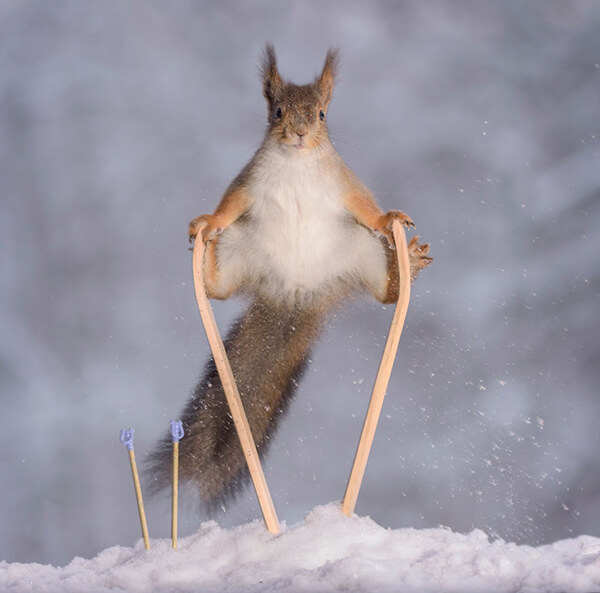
(326, 552)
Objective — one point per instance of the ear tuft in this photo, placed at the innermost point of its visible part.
(326, 81)
(272, 83)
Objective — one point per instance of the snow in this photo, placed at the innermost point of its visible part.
(326, 552)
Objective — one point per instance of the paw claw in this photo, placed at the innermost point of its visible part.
(405, 219)
(204, 225)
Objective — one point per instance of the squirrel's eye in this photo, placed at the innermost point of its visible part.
(278, 113)
(321, 115)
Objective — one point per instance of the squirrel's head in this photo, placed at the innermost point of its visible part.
(298, 114)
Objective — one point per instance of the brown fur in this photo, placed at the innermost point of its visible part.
(268, 349)
(269, 346)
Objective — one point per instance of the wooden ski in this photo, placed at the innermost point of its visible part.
(383, 375)
(231, 391)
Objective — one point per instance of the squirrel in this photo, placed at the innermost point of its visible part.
(297, 232)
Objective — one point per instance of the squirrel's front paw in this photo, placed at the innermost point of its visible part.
(207, 224)
(384, 224)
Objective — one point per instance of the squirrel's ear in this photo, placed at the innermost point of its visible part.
(272, 83)
(327, 79)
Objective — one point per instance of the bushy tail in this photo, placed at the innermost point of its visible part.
(268, 349)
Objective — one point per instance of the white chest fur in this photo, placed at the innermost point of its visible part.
(300, 222)
(298, 236)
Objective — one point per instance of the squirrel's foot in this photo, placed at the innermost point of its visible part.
(207, 225)
(418, 256)
(384, 224)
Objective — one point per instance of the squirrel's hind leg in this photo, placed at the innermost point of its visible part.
(418, 257)
(216, 287)
(226, 263)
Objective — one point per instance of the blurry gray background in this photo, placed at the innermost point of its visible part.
(120, 121)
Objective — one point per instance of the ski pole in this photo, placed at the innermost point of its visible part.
(177, 434)
(127, 440)
(383, 374)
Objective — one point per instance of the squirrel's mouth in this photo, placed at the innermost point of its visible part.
(299, 143)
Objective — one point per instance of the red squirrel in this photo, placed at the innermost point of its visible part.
(297, 232)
